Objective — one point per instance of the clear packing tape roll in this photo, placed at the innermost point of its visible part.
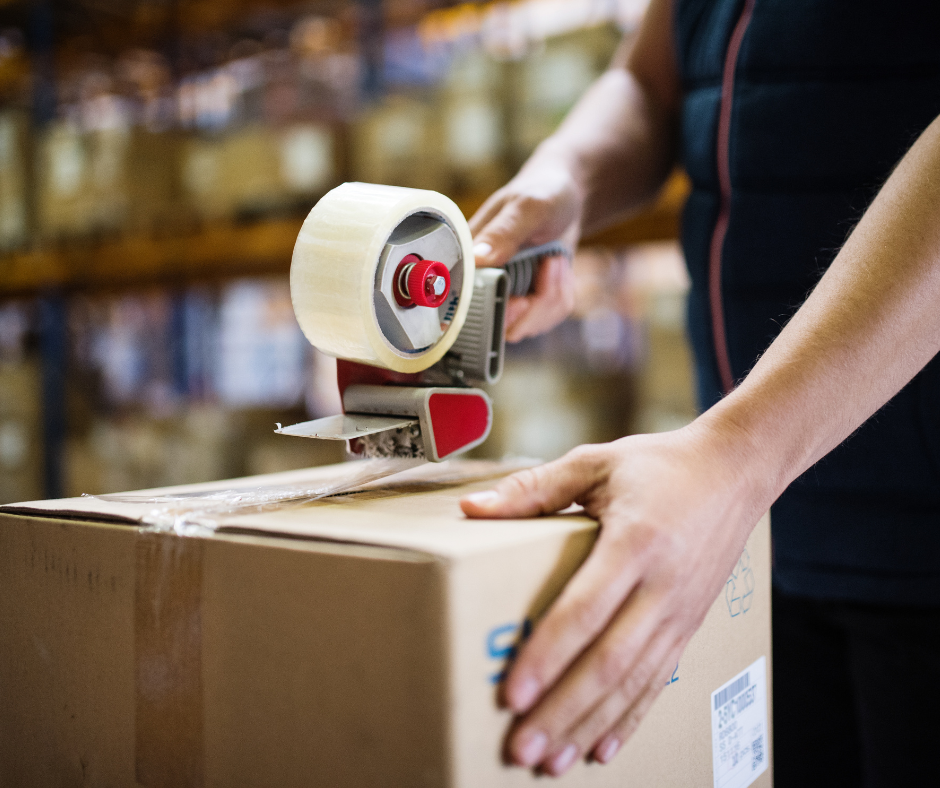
(344, 266)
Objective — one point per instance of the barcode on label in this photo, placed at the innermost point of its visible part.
(738, 685)
(757, 753)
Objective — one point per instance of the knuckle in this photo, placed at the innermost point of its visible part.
(634, 682)
(532, 202)
(500, 232)
(648, 541)
(612, 663)
(589, 458)
(582, 614)
(582, 453)
(629, 688)
(639, 678)
(524, 482)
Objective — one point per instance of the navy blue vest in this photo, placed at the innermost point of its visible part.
(821, 98)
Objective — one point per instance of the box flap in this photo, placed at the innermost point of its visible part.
(417, 508)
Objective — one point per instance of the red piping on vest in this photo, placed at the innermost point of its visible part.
(724, 182)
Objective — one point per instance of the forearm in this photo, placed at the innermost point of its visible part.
(869, 326)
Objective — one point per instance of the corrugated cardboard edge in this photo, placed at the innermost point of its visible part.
(27, 510)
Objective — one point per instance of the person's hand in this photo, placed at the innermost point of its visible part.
(541, 204)
(675, 511)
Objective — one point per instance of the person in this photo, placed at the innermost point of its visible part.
(810, 132)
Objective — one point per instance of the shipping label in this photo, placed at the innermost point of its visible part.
(739, 728)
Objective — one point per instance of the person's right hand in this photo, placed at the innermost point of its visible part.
(541, 204)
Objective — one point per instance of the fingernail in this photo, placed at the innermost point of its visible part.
(485, 499)
(482, 250)
(532, 749)
(607, 749)
(524, 695)
(562, 762)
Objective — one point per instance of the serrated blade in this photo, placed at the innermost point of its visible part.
(345, 426)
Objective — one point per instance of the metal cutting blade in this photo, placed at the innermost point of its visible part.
(345, 426)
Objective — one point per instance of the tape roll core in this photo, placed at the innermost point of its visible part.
(337, 270)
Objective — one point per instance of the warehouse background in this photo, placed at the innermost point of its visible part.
(157, 158)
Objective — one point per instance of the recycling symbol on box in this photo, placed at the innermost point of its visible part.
(739, 590)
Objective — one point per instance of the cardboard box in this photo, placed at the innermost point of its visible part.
(257, 170)
(399, 141)
(353, 641)
(106, 180)
(550, 80)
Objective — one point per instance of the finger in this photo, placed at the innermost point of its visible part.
(619, 662)
(516, 220)
(541, 490)
(482, 251)
(620, 558)
(610, 745)
(538, 302)
(649, 673)
(487, 211)
(515, 309)
(587, 605)
(555, 299)
(550, 304)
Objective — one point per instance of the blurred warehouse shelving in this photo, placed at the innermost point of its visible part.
(157, 158)
(226, 250)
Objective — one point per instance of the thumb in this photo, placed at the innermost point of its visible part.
(505, 233)
(542, 490)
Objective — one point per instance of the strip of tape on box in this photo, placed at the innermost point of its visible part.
(168, 692)
(198, 513)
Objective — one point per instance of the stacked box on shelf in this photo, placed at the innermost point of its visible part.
(398, 141)
(63, 181)
(258, 169)
(544, 406)
(202, 442)
(548, 82)
(20, 430)
(138, 449)
(14, 177)
(473, 110)
(450, 138)
(666, 381)
(151, 181)
(105, 180)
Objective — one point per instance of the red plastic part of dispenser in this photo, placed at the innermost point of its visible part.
(457, 420)
(421, 281)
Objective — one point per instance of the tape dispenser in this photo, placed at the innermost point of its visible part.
(383, 278)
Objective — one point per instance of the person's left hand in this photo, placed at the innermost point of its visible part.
(675, 511)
